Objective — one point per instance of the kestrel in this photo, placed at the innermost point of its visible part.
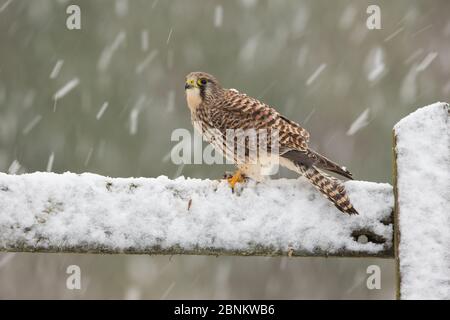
(215, 110)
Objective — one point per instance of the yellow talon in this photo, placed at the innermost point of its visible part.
(236, 178)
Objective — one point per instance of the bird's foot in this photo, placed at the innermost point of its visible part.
(237, 177)
(227, 175)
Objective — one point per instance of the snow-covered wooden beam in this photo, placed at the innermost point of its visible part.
(46, 212)
(422, 195)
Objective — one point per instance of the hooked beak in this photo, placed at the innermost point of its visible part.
(190, 84)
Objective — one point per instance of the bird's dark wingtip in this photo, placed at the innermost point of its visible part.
(352, 211)
(346, 173)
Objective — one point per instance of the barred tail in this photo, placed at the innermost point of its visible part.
(331, 187)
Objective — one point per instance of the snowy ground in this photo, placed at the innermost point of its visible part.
(423, 180)
(51, 212)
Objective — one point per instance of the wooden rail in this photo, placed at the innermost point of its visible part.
(47, 212)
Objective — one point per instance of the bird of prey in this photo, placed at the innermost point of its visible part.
(214, 110)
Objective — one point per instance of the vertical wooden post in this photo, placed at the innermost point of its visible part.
(396, 220)
(421, 157)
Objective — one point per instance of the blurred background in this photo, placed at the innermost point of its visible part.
(122, 77)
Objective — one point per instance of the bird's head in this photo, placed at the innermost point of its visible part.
(200, 86)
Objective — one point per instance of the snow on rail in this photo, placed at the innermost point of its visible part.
(47, 212)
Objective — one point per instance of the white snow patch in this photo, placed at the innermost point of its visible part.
(121, 8)
(60, 211)
(102, 110)
(414, 56)
(316, 74)
(218, 16)
(360, 122)
(134, 117)
(88, 157)
(32, 124)
(51, 159)
(423, 181)
(427, 61)
(133, 293)
(14, 167)
(69, 86)
(144, 40)
(348, 17)
(375, 66)
(108, 52)
(376, 72)
(394, 34)
(134, 114)
(5, 5)
(56, 69)
(421, 30)
(179, 171)
(169, 36)
(249, 49)
(408, 89)
(145, 63)
(171, 101)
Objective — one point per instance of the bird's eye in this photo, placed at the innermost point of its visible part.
(201, 82)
